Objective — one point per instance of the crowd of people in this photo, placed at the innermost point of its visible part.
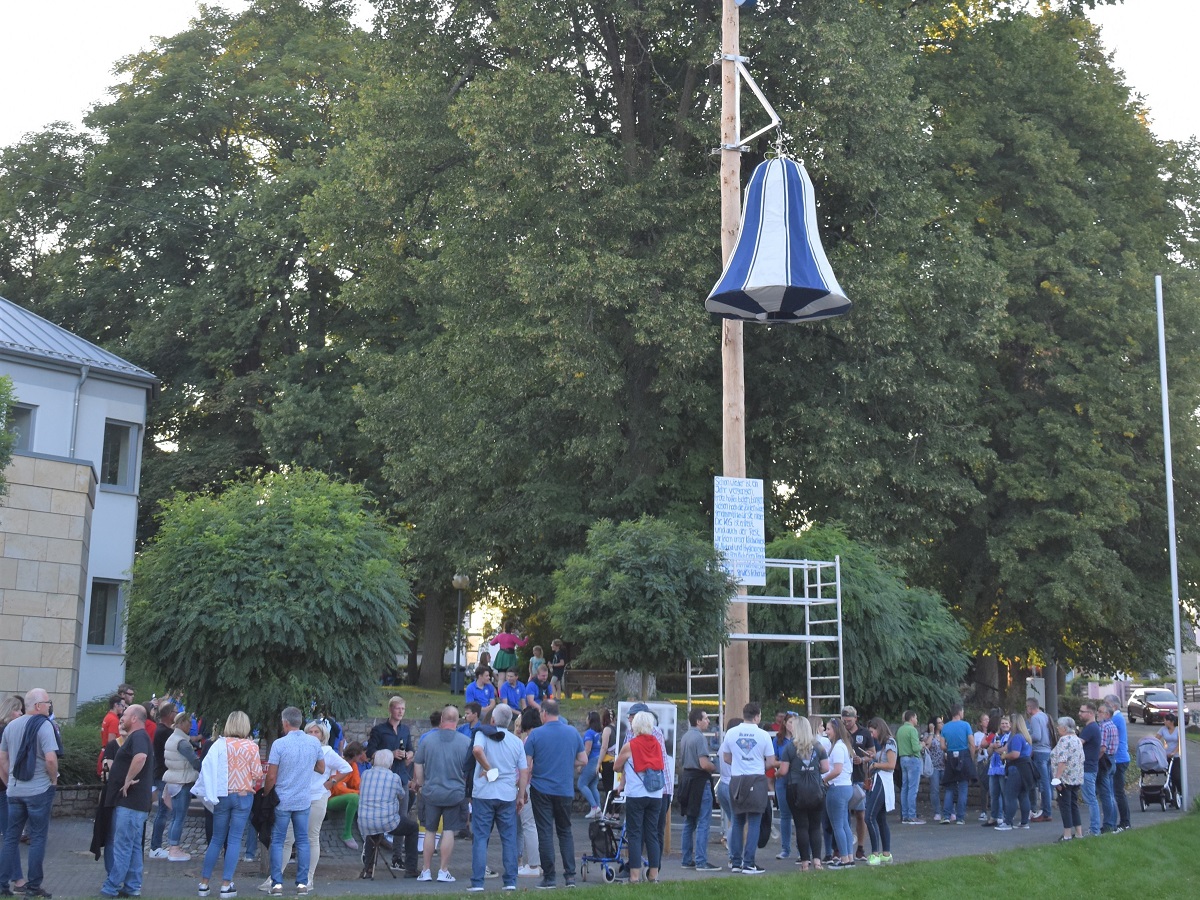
(512, 767)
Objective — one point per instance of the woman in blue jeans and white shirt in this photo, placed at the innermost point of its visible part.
(837, 798)
(231, 772)
(641, 805)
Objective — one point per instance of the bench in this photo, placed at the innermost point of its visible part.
(590, 681)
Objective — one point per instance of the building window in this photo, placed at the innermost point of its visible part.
(104, 620)
(116, 459)
(20, 422)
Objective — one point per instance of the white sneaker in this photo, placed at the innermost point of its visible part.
(160, 853)
(593, 813)
(425, 875)
(530, 871)
(983, 817)
(783, 855)
(265, 887)
(444, 876)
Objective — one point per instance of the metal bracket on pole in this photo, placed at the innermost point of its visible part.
(741, 141)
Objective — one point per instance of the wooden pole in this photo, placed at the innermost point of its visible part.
(733, 383)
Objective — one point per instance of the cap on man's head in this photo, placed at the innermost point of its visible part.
(849, 712)
(637, 708)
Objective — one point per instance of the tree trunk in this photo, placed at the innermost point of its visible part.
(1051, 676)
(410, 669)
(433, 642)
(635, 685)
(987, 681)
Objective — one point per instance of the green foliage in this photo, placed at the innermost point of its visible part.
(644, 596)
(281, 590)
(902, 647)
(7, 436)
(81, 747)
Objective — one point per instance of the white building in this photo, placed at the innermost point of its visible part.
(68, 522)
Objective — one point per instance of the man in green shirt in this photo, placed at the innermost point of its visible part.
(908, 744)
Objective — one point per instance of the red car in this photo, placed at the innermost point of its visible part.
(1152, 705)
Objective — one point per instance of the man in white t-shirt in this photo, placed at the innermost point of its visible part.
(749, 752)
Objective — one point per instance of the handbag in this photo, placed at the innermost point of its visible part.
(859, 799)
(653, 780)
(926, 763)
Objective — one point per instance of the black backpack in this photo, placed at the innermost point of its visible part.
(805, 787)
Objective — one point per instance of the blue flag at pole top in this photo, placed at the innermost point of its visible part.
(778, 272)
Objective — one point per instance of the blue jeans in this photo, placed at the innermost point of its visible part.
(36, 811)
(743, 840)
(229, 821)
(641, 829)
(3, 813)
(1041, 777)
(785, 819)
(552, 815)
(935, 788)
(298, 819)
(587, 783)
(179, 811)
(910, 771)
(695, 832)
(837, 804)
(1104, 794)
(877, 824)
(956, 799)
(1016, 791)
(1089, 797)
(251, 842)
(161, 815)
(996, 790)
(502, 814)
(1119, 793)
(126, 838)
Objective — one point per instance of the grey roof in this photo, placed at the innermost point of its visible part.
(28, 335)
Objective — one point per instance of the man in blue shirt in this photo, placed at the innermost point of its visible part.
(292, 760)
(482, 691)
(393, 735)
(555, 756)
(540, 689)
(960, 755)
(1090, 735)
(512, 691)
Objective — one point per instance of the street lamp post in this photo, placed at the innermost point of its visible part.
(461, 583)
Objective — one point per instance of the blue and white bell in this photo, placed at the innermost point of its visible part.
(778, 271)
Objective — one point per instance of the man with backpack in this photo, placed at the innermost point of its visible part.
(695, 792)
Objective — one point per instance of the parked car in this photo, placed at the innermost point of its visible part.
(1152, 704)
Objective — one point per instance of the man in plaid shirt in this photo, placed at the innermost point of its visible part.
(1109, 741)
(383, 809)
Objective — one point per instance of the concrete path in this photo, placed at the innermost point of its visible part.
(72, 872)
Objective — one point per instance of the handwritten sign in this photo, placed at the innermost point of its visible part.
(739, 529)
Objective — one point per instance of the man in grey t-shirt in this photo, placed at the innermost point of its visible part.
(439, 773)
(695, 792)
(30, 798)
(292, 760)
(1039, 730)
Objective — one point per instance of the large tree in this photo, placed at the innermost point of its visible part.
(278, 591)
(1040, 148)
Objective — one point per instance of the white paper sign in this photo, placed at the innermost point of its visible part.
(739, 528)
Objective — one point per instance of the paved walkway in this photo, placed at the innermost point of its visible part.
(72, 872)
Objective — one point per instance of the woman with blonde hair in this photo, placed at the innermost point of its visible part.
(804, 763)
(231, 772)
(641, 756)
(840, 790)
(1018, 773)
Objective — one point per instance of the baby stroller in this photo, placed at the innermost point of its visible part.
(607, 836)
(1154, 786)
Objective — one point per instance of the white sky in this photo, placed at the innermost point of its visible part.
(59, 54)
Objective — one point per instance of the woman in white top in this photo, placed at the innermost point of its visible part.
(336, 771)
(837, 798)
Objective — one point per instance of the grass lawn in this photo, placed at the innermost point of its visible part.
(1131, 865)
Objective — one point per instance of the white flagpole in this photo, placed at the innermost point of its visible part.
(1181, 727)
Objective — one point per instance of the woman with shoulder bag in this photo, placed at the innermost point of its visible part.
(802, 770)
(881, 772)
(642, 766)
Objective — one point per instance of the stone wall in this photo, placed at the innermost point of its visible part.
(45, 528)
